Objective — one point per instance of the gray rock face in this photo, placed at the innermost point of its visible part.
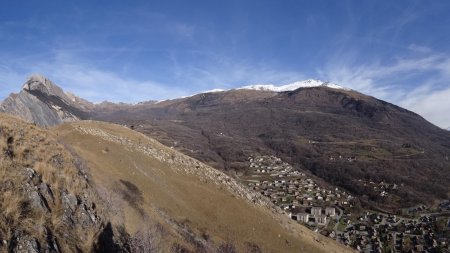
(77, 211)
(44, 103)
(45, 86)
(27, 244)
(31, 109)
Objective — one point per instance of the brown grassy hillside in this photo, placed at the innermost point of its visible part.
(191, 203)
(46, 201)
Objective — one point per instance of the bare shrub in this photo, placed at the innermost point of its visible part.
(177, 248)
(252, 248)
(226, 247)
(143, 241)
(113, 202)
(146, 240)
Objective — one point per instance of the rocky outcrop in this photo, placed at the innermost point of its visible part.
(38, 83)
(31, 109)
(47, 202)
(77, 211)
(45, 104)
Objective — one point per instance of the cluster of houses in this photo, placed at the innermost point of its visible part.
(416, 210)
(294, 191)
(272, 166)
(361, 237)
(444, 206)
(382, 188)
(340, 157)
(376, 232)
(316, 215)
(328, 211)
(419, 235)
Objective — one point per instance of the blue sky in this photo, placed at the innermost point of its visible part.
(131, 51)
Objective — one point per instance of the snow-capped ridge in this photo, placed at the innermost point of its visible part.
(214, 90)
(293, 86)
(271, 87)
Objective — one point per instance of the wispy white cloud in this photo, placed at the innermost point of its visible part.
(431, 103)
(96, 84)
(420, 83)
(8, 80)
(419, 49)
(184, 30)
(219, 71)
(238, 75)
(85, 80)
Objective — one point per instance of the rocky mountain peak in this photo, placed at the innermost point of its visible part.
(41, 84)
(42, 102)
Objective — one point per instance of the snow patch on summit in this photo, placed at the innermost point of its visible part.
(293, 86)
(214, 90)
(271, 87)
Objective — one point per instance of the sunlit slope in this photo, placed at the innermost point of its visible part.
(47, 203)
(177, 189)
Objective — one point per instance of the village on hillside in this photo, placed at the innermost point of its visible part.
(330, 211)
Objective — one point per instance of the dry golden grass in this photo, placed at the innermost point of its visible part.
(173, 197)
(22, 146)
(144, 191)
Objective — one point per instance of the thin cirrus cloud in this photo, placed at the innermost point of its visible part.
(83, 79)
(419, 83)
(96, 84)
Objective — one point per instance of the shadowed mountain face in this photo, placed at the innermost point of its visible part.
(341, 136)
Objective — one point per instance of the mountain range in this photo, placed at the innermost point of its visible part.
(170, 175)
(337, 135)
(68, 185)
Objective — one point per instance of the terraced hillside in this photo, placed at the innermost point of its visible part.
(191, 204)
